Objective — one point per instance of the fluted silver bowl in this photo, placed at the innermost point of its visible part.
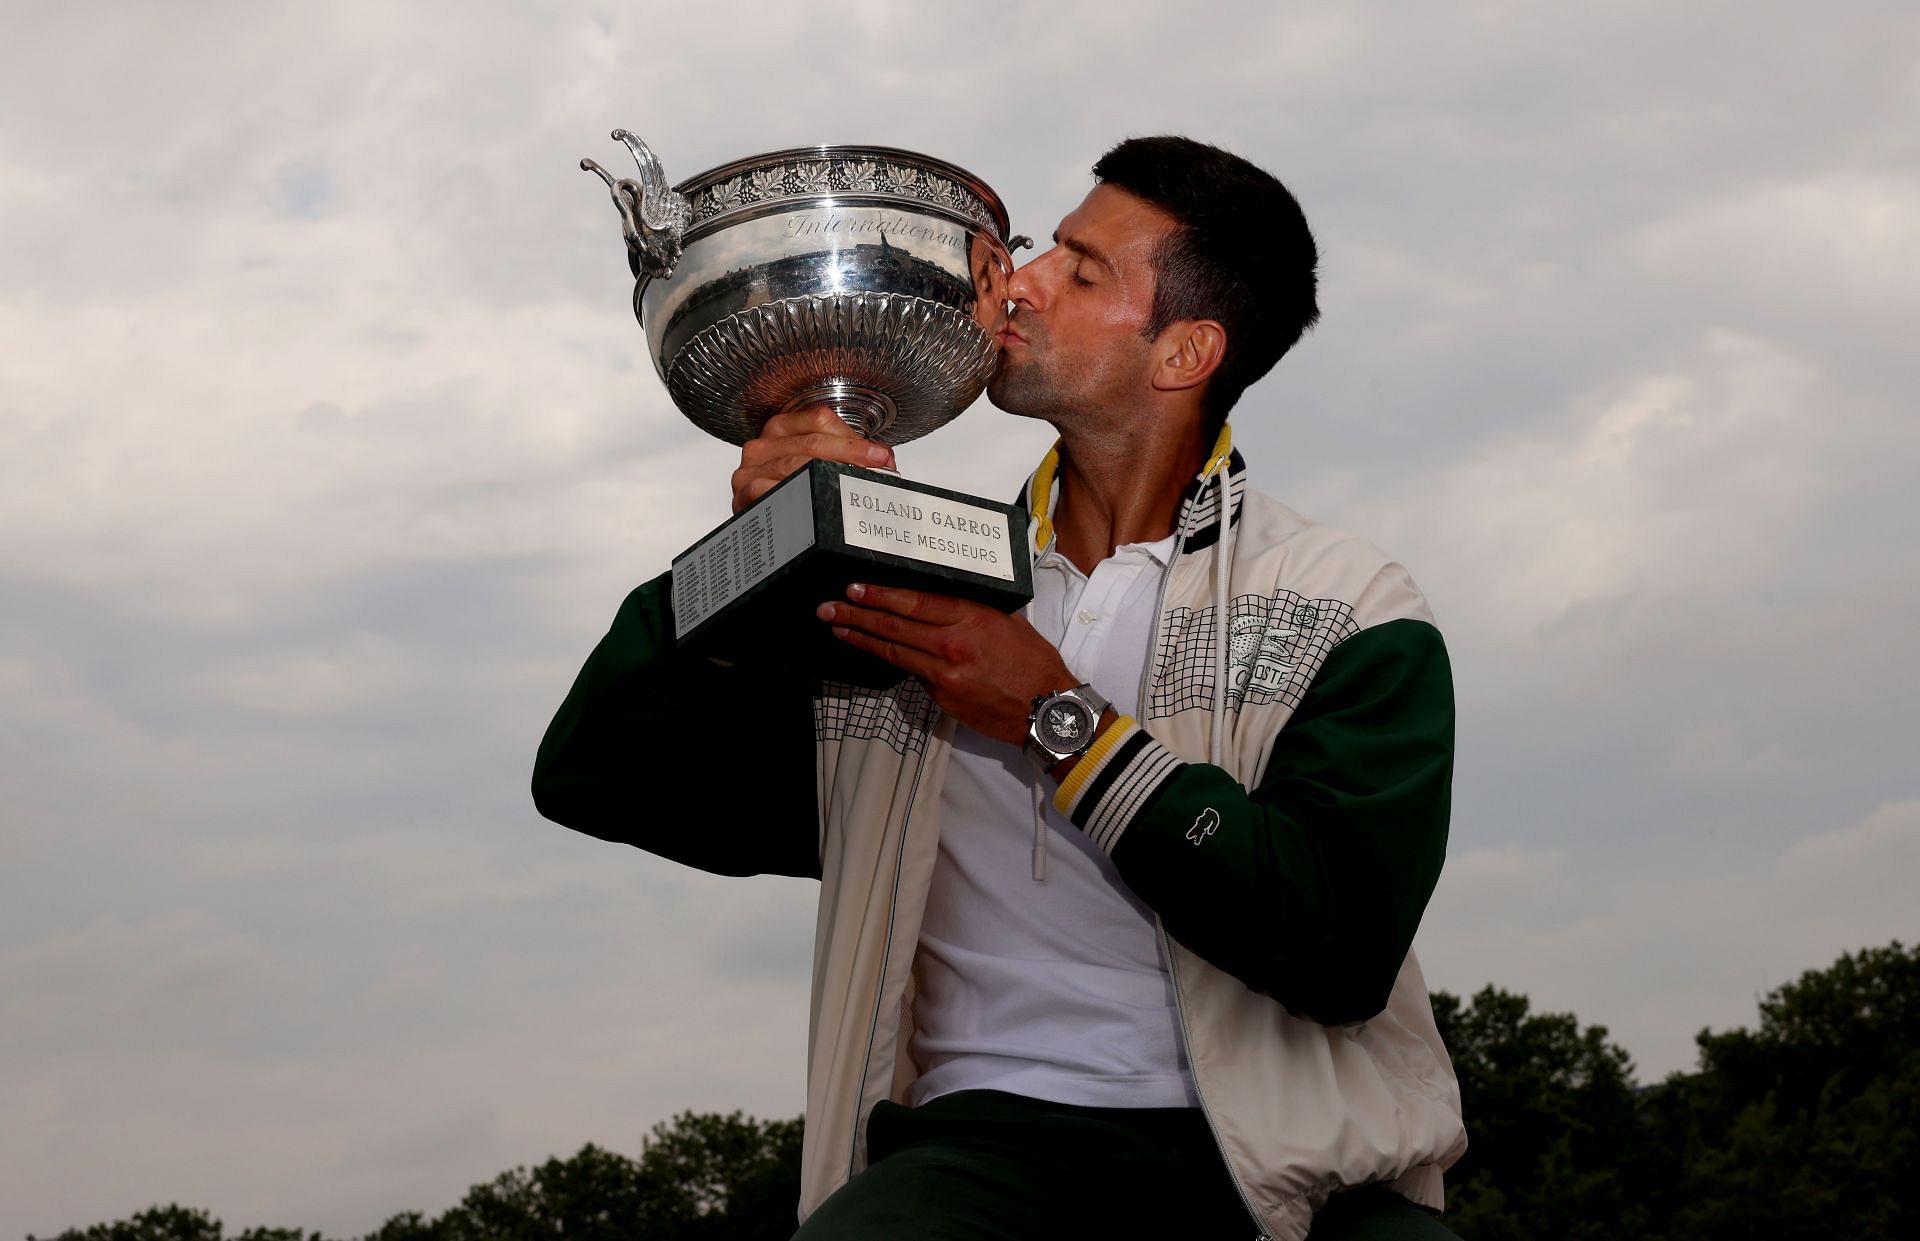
(866, 278)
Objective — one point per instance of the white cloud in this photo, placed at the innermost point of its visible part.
(1836, 237)
(1641, 491)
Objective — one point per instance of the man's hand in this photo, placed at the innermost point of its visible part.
(984, 667)
(788, 441)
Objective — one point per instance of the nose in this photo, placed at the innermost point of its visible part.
(1026, 286)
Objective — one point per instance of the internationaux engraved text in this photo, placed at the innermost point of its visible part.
(895, 225)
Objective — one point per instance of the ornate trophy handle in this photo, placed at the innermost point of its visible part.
(653, 218)
(1003, 258)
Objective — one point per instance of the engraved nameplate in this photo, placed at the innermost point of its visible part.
(750, 590)
(928, 528)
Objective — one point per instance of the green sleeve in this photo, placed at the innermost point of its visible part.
(1310, 886)
(656, 749)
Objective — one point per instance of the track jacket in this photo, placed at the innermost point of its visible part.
(1279, 798)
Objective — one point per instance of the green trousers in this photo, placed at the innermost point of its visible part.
(983, 1164)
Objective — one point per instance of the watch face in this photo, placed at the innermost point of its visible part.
(1066, 724)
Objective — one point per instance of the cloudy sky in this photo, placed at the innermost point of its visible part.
(328, 448)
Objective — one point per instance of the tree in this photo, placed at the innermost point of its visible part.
(1808, 1126)
(594, 1196)
(1555, 1136)
(739, 1178)
(156, 1223)
(699, 1177)
(173, 1223)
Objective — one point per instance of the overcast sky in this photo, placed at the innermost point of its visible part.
(328, 448)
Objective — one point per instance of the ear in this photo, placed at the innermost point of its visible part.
(1189, 352)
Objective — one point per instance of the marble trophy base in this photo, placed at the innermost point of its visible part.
(746, 593)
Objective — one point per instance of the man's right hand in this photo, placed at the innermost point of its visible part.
(788, 441)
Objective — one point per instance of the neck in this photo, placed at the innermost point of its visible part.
(1123, 485)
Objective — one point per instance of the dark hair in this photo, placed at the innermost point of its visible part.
(1241, 255)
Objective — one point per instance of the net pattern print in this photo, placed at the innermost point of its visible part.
(900, 717)
(1275, 645)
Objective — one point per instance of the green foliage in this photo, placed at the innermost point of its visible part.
(1806, 1127)
(734, 1179)
(174, 1223)
(698, 1178)
(1552, 1114)
(1809, 1126)
(168, 1223)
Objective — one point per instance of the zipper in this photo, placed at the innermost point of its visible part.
(1159, 612)
(1180, 1011)
(1166, 948)
(886, 956)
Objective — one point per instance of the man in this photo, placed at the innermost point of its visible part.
(1189, 1007)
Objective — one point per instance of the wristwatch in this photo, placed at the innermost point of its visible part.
(1062, 725)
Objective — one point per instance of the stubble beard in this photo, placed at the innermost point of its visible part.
(1028, 382)
(1074, 395)
(1024, 389)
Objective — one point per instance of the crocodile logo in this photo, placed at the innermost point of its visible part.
(1204, 826)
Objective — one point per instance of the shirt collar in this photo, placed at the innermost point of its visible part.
(1199, 515)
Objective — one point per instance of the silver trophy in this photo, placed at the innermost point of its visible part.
(868, 279)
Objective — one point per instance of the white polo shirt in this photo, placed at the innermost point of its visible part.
(1055, 990)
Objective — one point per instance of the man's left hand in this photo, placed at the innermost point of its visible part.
(984, 666)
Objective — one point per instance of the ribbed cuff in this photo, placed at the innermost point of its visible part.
(1114, 780)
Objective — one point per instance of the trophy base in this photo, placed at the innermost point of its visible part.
(746, 593)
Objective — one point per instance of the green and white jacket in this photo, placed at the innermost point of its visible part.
(1279, 798)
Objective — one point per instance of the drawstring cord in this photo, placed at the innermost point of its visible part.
(1039, 829)
(1040, 501)
(1041, 498)
(1222, 558)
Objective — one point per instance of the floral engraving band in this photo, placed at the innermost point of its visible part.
(803, 178)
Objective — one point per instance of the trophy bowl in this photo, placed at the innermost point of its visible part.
(869, 279)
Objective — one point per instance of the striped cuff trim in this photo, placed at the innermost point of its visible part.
(1108, 787)
(1090, 763)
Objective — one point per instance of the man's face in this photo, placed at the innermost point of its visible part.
(1073, 348)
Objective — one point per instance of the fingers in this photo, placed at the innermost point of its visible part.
(748, 488)
(788, 441)
(932, 639)
(765, 464)
(814, 419)
(906, 628)
(910, 659)
(933, 609)
(812, 446)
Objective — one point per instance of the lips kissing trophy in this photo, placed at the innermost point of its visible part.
(870, 280)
